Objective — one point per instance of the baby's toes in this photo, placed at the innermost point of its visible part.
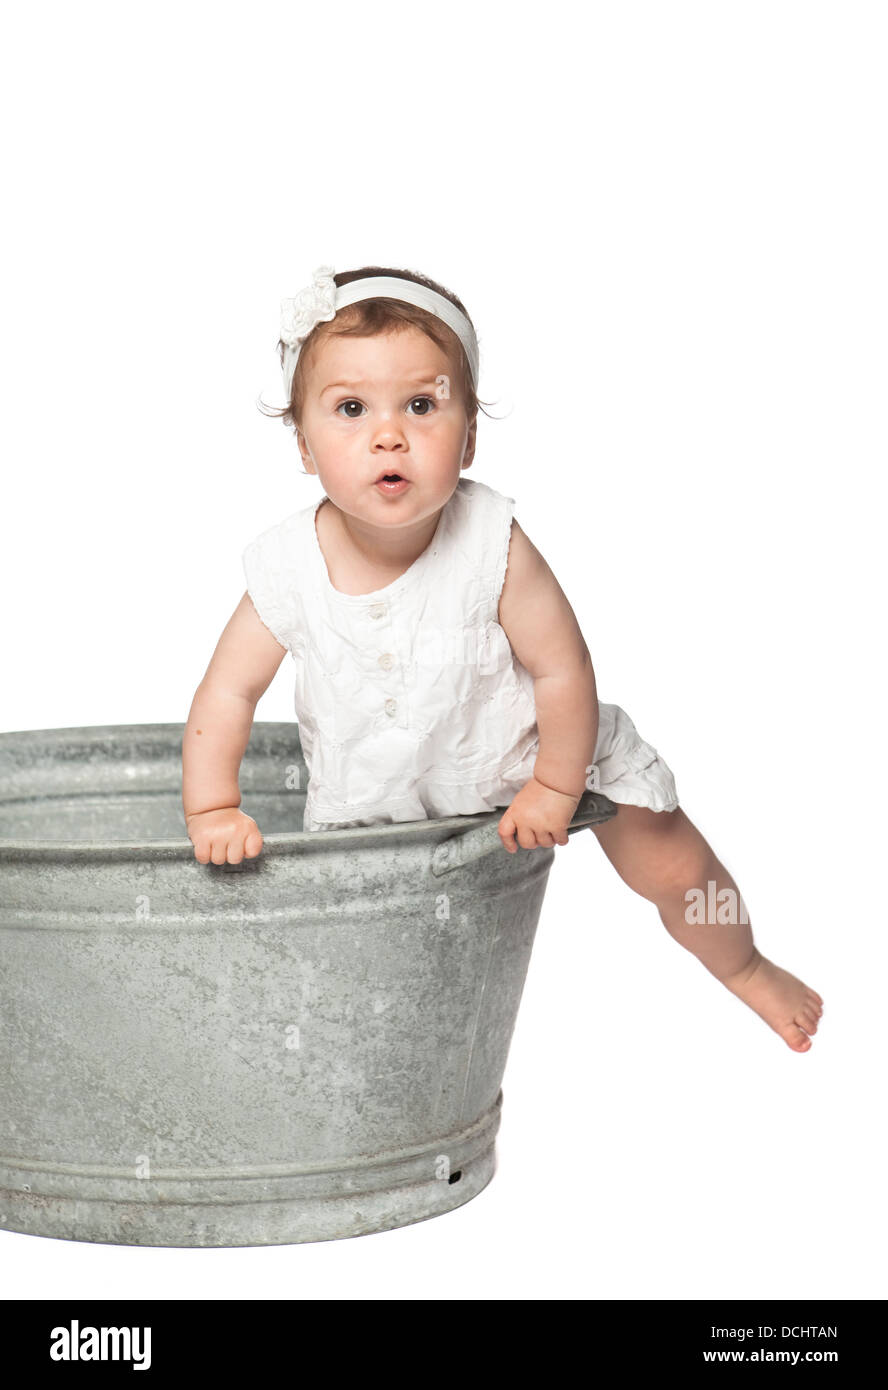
(795, 1036)
(808, 1018)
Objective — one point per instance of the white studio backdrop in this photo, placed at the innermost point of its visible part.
(668, 223)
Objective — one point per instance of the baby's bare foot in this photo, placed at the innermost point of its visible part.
(783, 1001)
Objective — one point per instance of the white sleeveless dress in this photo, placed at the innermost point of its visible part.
(410, 701)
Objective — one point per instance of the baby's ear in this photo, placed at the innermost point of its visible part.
(303, 450)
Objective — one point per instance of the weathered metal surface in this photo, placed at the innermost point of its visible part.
(307, 1046)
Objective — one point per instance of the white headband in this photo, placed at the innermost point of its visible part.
(323, 298)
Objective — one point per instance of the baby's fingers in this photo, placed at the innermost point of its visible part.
(527, 837)
(219, 854)
(550, 839)
(532, 836)
(544, 839)
(253, 843)
(507, 828)
(243, 845)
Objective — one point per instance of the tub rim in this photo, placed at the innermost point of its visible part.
(276, 844)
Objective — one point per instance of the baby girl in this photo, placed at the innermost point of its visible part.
(440, 668)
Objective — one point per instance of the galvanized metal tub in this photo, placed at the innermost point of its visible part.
(307, 1046)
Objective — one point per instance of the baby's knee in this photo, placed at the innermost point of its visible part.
(660, 854)
(679, 862)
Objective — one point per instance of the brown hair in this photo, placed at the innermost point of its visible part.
(372, 316)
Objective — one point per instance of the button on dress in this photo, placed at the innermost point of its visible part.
(410, 701)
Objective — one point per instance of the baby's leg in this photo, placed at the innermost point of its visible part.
(662, 855)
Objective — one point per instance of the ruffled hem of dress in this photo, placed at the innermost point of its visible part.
(640, 801)
(652, 787)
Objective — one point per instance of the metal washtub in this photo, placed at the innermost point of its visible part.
(306, 1046)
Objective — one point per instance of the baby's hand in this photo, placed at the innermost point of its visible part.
(223, 836)
(539, 816)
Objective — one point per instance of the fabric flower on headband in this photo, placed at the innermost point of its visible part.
(315, 304)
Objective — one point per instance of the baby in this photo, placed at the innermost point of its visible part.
(440, 668)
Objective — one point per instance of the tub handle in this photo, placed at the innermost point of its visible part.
(471, 845)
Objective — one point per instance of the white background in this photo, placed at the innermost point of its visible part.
(668, 222)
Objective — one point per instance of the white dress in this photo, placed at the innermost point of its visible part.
(410, 701)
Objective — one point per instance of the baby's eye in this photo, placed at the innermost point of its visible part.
(427, 400)
(350, 402)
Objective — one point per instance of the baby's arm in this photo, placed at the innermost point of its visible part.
(544, 634)
(217, 733)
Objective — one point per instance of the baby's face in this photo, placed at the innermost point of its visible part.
(384, 405)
